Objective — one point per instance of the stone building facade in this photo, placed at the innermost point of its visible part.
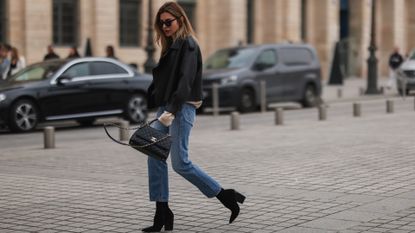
(31, 25)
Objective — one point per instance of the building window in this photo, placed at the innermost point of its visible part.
(3, 21)
(65, 22)
(250, 21)
(130, 12)
(189, 6)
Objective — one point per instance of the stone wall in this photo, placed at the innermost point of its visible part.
(222, 23)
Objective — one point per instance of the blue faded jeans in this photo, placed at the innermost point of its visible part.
(158, 171)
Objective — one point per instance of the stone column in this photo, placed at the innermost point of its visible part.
(326, 31)
(38, 20)
(410, 21)
(87, 25)
(292, 20)
(267, 18)
(16, 25)
(224, 24)
(360, 33)
(391, 31)
(106, 26)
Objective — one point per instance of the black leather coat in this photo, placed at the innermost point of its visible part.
(178, 76)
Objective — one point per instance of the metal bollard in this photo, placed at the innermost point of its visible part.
(124, 133)
(49, 137)
(361, 91)
(215, 99)
(339, 93)
(263, 97)
(322, 113)
(357, 110)
(235, 121)
(279, 116)
(389, 106)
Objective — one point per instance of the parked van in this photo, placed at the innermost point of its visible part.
(291, 72)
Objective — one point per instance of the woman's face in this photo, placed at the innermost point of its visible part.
(169, 24)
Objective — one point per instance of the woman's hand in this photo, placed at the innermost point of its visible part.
(166, 118)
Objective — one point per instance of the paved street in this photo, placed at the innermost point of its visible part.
(345, 174)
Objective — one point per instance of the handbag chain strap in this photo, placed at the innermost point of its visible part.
(131, 128)
(141, 126)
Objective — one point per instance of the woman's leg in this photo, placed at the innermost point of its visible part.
(159, 188)
(180, 131)
(158, 172)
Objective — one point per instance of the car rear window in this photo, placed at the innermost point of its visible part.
(296, 56)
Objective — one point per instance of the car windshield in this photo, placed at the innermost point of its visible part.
(230, 58)
(36, 72)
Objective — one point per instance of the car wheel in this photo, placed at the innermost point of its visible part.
(86, 122)
(23, 116)
(310, 98)
(136, 111)
(247, 101)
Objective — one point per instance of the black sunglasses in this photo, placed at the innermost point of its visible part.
(167, 22)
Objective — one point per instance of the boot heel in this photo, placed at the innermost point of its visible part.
(239, 197)
(168, 226)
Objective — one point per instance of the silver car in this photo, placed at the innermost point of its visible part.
(406, 75)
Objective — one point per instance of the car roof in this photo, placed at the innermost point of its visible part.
(80, 59)
(276, 45)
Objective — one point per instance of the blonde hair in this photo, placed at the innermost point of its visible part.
(185, 28)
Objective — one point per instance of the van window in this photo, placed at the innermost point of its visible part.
(296, 56)
(230, 58)
(267, 58)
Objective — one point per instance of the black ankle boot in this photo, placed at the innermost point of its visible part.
(230, 198)
(163, 217)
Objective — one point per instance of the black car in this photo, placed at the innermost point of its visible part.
(292, 72)
(79, 89)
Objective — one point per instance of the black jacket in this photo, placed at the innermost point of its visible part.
(178, 76)
(395, 60)
(50, 56)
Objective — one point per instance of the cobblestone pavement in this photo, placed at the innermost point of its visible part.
(341, 175)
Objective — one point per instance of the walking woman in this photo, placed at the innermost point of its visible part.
(177, 92)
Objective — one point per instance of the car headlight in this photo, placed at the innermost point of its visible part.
(229, 80)
(2, 97)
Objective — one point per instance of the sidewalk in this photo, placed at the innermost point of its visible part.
(344, 174)
(352, 89)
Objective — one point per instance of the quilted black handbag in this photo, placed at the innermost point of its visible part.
(147, 140)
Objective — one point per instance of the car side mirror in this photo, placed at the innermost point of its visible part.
(62, 80)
